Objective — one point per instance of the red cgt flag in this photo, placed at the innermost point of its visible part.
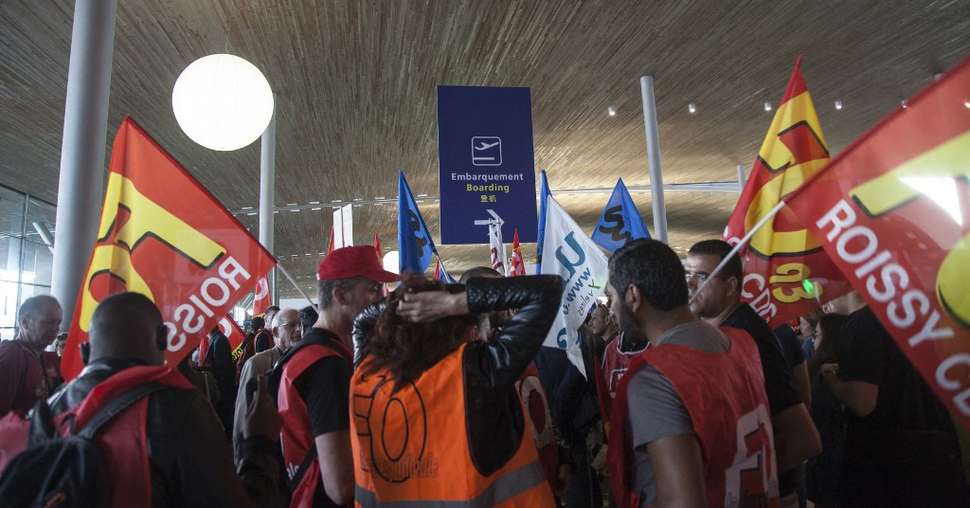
(231, 330)
(163, 235)
(782, 255)
(518, 264)
(262, 299)
(893, 211)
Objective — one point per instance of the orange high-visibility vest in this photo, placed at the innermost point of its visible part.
(412, 446)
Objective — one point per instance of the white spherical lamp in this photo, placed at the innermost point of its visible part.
(391, 261)
(222, 102)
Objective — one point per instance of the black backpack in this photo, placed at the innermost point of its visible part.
(63, 471)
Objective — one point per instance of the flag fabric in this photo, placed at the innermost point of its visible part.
(783, 255)
(377, 246)
(342, 231)
(620, 221)
(162, 234)
(496, 248)
(413, 238)
(893, 211)
(544, 194)
(332, 241)
(440, 273)
(262, 299)
(231, 330)
(583, 266)
(517, 262)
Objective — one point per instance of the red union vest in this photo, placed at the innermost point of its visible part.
(725, 398)
(123, 441)
(411, 446)
(295, 435)
(615, 363)
(535, 406)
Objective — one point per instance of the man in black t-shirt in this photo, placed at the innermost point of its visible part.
(796, 438)
(901, 446)
(313, 394)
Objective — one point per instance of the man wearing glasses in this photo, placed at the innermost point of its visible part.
(286, 328)
(796, 438)
(314, 385)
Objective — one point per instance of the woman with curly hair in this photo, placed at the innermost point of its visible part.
(434, 412)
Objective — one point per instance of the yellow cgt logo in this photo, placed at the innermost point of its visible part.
(146, 219)
(795, 150)
(941, 174)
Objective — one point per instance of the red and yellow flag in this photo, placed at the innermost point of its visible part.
(893, 211)
(783, 255)
(163, 235)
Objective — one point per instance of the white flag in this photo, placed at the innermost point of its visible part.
(569, 253)
(497, 249)
(343, 226)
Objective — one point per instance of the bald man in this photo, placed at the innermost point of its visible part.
(286, 328)
(23, 379)
(190, 462)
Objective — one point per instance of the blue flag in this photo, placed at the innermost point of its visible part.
(544, 194)
(413, 239)
(620, 222)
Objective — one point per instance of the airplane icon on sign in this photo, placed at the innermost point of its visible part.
(486, 151)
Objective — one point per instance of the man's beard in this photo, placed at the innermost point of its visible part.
(627, 324)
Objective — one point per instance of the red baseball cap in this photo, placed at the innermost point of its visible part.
(357, 261)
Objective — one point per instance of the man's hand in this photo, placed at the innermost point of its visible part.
(262, 418)
(431, 305)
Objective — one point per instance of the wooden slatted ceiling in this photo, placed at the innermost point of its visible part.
(355, 87)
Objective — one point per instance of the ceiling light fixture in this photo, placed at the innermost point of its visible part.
(611, 111)
(222, 102)
(966, 104)
(904, 104)
(316, 209)
(691, 108)
(767, 106)
(838, 105)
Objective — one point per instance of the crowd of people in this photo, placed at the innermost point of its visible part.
(443, 395)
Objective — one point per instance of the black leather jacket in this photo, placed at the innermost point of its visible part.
(189, 457)
(493, 411)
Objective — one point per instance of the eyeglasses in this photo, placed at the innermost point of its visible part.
(292, 325)
(698, 276)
